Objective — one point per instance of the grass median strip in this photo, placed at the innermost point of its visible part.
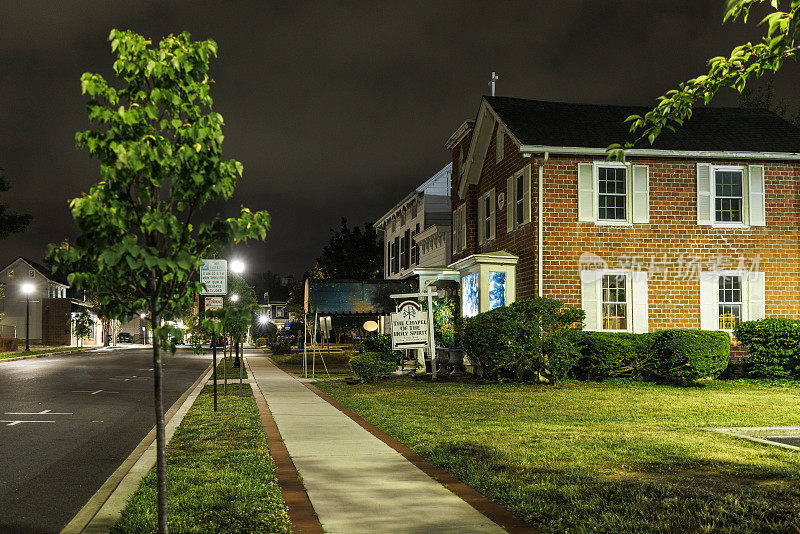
(17, 354)
(220, 476)
(601, 457)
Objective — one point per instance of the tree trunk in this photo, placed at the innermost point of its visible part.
(161, 453)
(236, 358)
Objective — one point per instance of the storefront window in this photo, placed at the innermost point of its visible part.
(471, 295)
(497, 289)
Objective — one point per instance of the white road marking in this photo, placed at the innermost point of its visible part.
(93, 392)
(145, 369)
(125, 379)
(43, 412)
(12, 423)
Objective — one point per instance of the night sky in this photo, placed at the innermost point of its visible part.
(335, 109)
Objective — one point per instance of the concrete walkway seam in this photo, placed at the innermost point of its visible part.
(105, 507)
(478, 501)
(301, 512)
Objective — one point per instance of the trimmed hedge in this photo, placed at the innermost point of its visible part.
(532, 337)
(261, 342)
(683, 356)
(774, 346)
(369, 365)
(281, 348)
(675, 356)
(382, 344)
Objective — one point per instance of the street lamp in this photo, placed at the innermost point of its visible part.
(237, 266)
(27, 289)
(144, 328)
(262, 319)
(234, 298)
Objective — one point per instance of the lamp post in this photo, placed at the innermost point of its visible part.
(27, 289)
(144, 329)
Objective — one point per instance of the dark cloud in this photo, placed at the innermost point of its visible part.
(338, 108)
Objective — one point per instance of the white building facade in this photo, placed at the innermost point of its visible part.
(417, 229)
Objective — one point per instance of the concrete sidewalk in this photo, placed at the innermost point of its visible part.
(356, 482)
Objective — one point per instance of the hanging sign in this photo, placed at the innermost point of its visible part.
(214, 274)
(213, 303)
(409, 326)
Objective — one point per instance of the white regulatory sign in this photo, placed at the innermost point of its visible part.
(409, 326)
(213, 303)
(214, 274)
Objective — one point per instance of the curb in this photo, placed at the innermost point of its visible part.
(478, 501)
(301, 512)
(105, 507)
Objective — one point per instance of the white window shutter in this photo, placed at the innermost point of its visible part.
(590, 299)
(704, 187)
(709, 305)
(585, 192)
(454, 232)
(755, 188)
(492, 215)
(641, 193)
(639, 299)
(510, 203)
(756, 300)
(481, 219)
(526, 195)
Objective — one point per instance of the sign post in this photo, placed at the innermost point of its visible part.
(214, 275)
(214, 303)
(412, 328)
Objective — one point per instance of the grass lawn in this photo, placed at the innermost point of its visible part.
(337, 363)
(220, 476)
(226, 366)
(602, 457)
(18, 353)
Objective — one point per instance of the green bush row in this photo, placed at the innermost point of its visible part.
(382, 344)
(281, 348)
(369, 365)
(675, 356)
(774, 347)
(537, 338)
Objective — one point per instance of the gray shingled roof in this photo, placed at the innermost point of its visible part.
(535, 122)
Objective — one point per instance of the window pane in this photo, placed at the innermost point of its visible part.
(614, 300)
(611, 193)
(497, 289)
(730, 301)
(519, 200)
(728, 192)
(470, 292)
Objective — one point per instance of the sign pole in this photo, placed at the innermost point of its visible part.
(305, 351)
(431, 338)
(214, 352)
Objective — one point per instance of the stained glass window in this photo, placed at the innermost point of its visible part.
(471, 296)
(497, 290)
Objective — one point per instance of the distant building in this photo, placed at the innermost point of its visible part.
(417, 229)
(51, 309)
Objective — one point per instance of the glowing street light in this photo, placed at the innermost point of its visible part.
(27, 289)
(237, 266)
(234, 298)
(262, 319)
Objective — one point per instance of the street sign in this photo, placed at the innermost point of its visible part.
(213, 303)
(409, 326)
(214, 274)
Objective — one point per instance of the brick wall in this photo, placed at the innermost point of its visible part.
(55, 321)
(673, 231)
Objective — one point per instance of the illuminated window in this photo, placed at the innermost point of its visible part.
(730, 302)
(614, 303)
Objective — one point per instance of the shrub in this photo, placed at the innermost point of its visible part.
(612, 354)
(774, 346)
(281, 348)
(261, 342)
(528, 337)
(382, 344)
(368, 365)
(683, 356)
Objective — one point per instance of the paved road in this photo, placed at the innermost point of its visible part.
(99, 406)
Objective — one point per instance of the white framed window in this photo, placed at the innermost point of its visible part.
(729, 297)
(486, 217)
(612, 193)
(615, 300)
(500, 144)
(518, 199)
(459, 229)
(730, 196)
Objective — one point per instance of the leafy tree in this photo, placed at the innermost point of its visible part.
(159, 145)
(10, 222)
(82, 324)
(351, 253)
(781, 43)
(763, 97)
(236, 315)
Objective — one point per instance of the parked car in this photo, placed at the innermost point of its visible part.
(124, 337)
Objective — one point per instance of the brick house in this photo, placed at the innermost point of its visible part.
(699, 230)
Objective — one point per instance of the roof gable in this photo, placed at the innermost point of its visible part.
(41, 269)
